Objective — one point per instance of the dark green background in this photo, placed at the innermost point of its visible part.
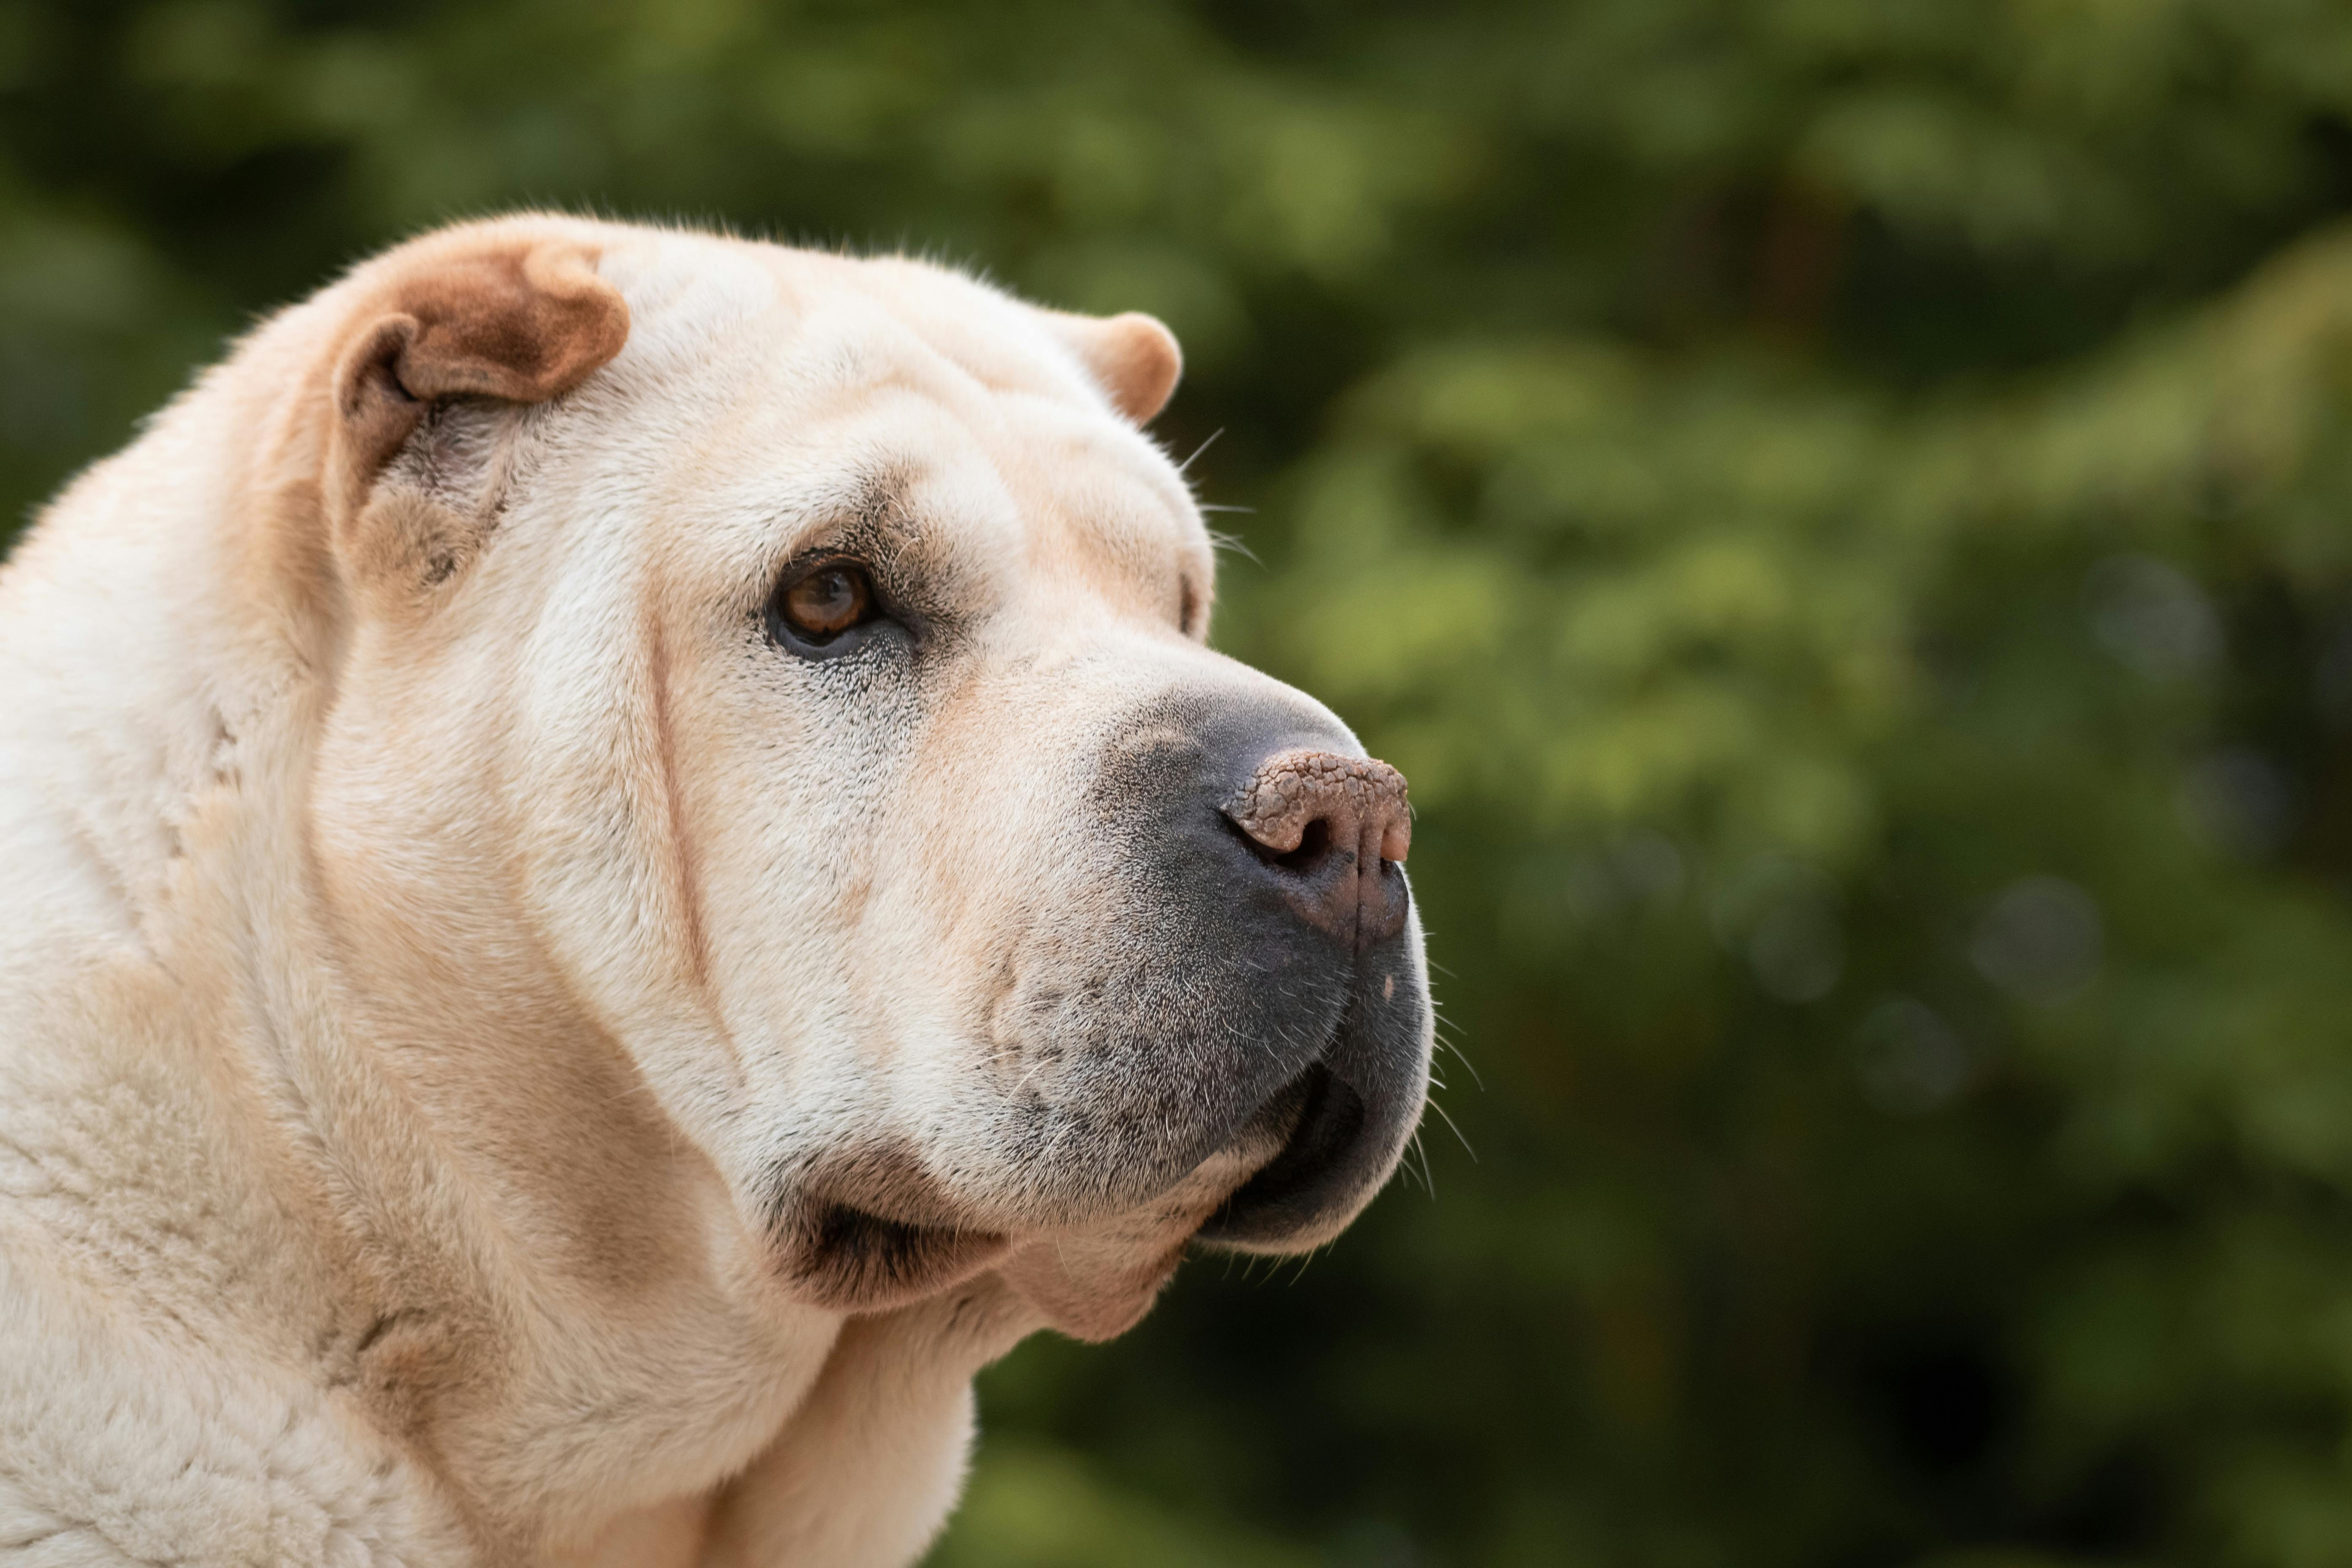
(1843, 511)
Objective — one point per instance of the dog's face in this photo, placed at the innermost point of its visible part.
(817, 679)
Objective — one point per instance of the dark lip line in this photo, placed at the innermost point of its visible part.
(1358, 997)
(850, 1258)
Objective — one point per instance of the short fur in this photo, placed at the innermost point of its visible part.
(502, 1063)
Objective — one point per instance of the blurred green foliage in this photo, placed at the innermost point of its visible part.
(1843, 511)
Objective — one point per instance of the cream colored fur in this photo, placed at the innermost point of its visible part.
(407, 979)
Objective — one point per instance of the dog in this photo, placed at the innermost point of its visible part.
(625, 860)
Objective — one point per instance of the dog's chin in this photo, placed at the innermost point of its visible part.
(1092, 1288)
(1095, 1281)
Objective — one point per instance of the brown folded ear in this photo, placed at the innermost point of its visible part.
(1132, 357)
(520, 318)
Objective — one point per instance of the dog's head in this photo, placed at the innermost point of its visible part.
(802, 657)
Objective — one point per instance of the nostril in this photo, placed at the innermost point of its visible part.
(1314, 841)
(1313, 844)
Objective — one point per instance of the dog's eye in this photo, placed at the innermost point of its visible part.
(820, 606)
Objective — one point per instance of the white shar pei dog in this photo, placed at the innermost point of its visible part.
(623, 861)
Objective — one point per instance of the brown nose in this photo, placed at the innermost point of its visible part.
(1330, 826)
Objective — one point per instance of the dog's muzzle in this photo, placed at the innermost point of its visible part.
(1301, 846)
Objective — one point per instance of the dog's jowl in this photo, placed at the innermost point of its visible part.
(623, 861)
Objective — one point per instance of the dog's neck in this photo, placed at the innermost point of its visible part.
(556, 1348)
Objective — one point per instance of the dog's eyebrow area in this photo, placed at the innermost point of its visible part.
(927, 545)
(868, 511)
(874, 501)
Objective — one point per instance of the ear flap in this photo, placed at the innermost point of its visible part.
(1131, 357)
(519, 318)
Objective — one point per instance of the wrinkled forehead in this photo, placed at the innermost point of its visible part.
(829, 391)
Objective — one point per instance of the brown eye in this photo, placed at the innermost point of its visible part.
(826, 603)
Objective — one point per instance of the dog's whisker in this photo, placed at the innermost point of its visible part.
(1232, 543)
(1457, 1131)
(1186, 466)
(1455, 1046)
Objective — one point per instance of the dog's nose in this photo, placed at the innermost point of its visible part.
(1331, 830)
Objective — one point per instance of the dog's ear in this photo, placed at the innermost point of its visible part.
(507, 320)
(1132, 357)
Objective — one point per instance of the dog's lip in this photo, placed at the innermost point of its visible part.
(853, 1258)
(1342, 1120)
(872, 1228)
(1320, 1114)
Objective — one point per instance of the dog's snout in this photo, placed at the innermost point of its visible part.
(1295, 1030)
(1332, 830)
